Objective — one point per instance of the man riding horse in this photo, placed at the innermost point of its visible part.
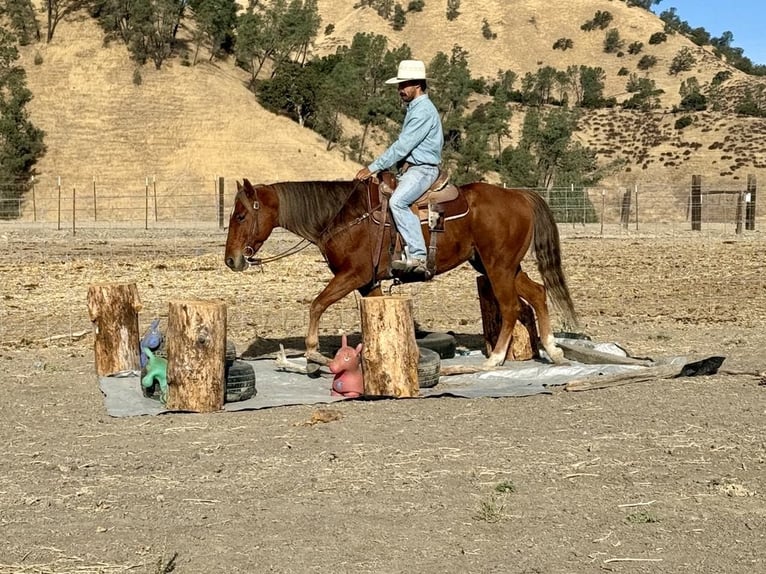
(417, 153)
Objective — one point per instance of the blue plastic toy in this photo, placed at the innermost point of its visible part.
(151, 340)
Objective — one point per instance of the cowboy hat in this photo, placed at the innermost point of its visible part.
(409, 70)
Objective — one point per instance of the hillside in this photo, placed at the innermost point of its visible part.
(186, 125)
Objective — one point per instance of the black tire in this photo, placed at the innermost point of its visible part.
(240, 382)
(429, 367)
(231, 352)
(442, 343)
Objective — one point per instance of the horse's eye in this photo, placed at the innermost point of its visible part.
(240, 217)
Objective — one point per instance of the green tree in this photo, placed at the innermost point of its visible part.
(612, 41)
(21, 143)
(682, 61)
(645, 94)
(592, 82)
(216, 20)
(399, 18)
(23, 20)
(57, 10)
(148, 27)
(692, 98)
(452, 75)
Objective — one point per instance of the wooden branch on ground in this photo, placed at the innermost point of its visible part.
(288, 366)
(589, 356)
(608, 381)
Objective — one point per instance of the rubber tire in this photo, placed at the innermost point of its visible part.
(231, 352)
(429, 367)
(240, 382)
(442, 343)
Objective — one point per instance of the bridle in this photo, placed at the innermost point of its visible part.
(248, 252)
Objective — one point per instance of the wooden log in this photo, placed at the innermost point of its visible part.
(390, 352)
(196, 348)
(113, 309)
(525, 339)
(639, 376)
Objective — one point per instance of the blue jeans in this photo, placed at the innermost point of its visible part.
(412, 184)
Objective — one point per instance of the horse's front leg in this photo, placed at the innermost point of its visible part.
(338, 287)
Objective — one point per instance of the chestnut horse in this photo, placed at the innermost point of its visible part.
(338, 217)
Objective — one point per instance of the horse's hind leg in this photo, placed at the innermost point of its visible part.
(534, 294)
(510, 307)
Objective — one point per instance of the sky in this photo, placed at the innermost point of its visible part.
(745, 19)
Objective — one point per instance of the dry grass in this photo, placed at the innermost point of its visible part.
(185, 125)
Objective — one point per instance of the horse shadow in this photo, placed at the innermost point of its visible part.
(265, 348)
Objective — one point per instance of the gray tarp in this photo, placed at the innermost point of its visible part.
(123, 395)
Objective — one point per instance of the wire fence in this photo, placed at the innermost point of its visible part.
(151, 203)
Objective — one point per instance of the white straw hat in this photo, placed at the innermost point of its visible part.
(409, 70)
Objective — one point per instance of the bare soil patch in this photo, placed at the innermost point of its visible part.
(665, 476)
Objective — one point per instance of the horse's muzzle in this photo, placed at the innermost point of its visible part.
(238, 263)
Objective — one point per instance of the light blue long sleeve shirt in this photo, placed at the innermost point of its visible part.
(421, 139)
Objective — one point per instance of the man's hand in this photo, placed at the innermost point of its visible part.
(363, 174)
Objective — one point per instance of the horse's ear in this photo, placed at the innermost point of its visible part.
(247, 185)
(359, 348)
(239, 186)
(343, 341)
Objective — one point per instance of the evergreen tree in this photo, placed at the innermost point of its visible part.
(21, 143)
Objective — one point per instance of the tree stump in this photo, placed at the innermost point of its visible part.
(113, 309)
(390, 353)
(525, 339)
(196, 348)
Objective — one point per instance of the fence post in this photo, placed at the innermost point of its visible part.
(635, 188)
(154, 187)
(220, 203)
(740, 213)
(750, 203)
(603, 208)
(146, 203)
(625, 209)
(74, 211)
(34, 201)
(696, 201)
(58, 225)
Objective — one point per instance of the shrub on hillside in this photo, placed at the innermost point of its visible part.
(612, 41)
(683, 121)
(416, 6)
(646, 62)
(453, 9)
(601, 19)
(682, 61)
(635, 47)
(563, 44)
(658, 38)
(486, 31)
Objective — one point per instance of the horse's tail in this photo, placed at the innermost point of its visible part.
(547, 248)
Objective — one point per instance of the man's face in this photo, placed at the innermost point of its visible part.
(408, 91)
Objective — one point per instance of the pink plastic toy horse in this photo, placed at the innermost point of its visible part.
(348, 380)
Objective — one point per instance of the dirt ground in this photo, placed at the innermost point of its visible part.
(661, 476)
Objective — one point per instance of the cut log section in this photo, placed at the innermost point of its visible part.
(389, 354)
(113, 309)
(196, 347)
(525, 340)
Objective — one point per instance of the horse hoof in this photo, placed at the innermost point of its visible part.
(556, 355)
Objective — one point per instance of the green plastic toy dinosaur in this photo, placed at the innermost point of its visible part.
(156, 369)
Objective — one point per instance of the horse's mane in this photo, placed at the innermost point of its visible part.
(308, 208)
